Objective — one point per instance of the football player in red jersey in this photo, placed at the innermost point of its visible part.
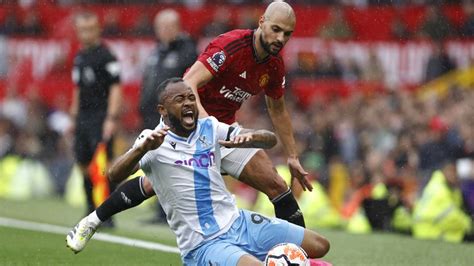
(235, 66)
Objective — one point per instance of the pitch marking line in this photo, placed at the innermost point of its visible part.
(55, 229)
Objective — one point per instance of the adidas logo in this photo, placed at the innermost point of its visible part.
(126, 199)
(243, 75)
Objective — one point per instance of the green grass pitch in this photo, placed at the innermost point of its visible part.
(24, 247)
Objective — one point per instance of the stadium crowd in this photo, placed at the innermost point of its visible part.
(27, 21)
(391, 135)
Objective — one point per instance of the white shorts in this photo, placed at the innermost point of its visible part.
(235, 159)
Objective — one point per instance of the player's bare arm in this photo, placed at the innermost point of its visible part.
(127, 164)
(197, 77)
(282, 123)
(247, 138)
(113, 112)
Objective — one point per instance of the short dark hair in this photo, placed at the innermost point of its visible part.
(162, 87)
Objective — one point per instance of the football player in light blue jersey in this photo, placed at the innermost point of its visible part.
(182, 160)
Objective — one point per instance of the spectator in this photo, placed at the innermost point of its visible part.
(10, 24)
(439, 146)
(439, 212)
(436, 25)
(173, 54)
(337, 28)
(328, 67)
(439, 63)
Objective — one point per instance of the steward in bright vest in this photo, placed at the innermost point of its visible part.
(438, 213)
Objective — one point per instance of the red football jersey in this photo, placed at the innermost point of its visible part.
(232, 60)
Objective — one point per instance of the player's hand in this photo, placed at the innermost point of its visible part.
(299, 173)
(109, 128)
(239, 141)
(155, 139)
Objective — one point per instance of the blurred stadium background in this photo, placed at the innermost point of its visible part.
(381, 95)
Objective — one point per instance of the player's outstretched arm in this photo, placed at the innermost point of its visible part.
(282, 123)
(127, 164)
(248, 138)
(196, 77)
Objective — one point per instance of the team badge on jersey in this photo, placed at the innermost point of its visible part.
(203, 141)
(173, 144)
(263, 81)
(216, 60)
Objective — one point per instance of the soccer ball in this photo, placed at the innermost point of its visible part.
(286, 254)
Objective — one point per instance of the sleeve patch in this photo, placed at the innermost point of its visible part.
(113, 68)
(216, 60)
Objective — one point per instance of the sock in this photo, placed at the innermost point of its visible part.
(126, 196)
(94, 219)
(89, 196)
(287, 208)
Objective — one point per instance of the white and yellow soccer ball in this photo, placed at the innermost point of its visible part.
(286, 254)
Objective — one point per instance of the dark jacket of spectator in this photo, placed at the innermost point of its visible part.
(438, 64)
(166, 61)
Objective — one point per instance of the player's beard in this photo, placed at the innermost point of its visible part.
(175, 123)
(266, 46)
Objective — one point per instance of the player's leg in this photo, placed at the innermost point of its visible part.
(110, 156)
(227, 249)
(315, 245)
(263, 233)
(223, 253)
(128, 195)
(254, 168)
(83, 151)
(248, 260)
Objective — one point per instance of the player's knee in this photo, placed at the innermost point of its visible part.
(315, 245)
(323, 246)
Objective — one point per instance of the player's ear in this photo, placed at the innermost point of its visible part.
(260, 21)
(162, 110)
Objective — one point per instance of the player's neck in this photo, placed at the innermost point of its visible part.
(257, 44)
(178, 131)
